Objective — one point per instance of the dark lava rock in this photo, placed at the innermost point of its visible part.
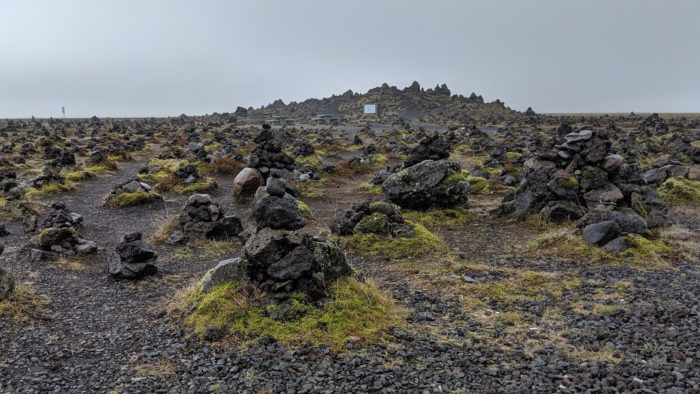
(600, 233)
(133, 259)
(278, 213)
(427, 184)
(432, 147)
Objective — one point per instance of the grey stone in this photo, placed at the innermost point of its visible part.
(600, 233)
(226, 270)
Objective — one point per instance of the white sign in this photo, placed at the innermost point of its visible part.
(370, 108)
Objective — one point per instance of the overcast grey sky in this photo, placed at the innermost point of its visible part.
(155, 58)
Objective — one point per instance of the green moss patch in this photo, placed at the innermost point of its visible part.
(478, 185)
(356, 312)
(371, 188)
(422, 243)
(79, 175)
(440, 218)
(50, 188)
(131, 199)
(678, 191)
(196, 187)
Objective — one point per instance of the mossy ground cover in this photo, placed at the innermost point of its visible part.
(679, 191)
(357, 312)
(49, 189)
(440, 218)
(422, 243)
(126, 199)
(643, 253)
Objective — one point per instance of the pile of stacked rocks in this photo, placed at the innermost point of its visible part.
(133, 259)
(581, 178)
(51, 173)
(303, 147)
(7, 281)
(279, 257)
(268, 153)
(431, 147)
(59, 235)
(202, 217)
(378, 217)
(266, 156)
(188, 174)
(426, 179)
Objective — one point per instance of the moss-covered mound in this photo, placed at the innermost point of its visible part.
(680, 191)
(127, 199)
(356, 312)
(440, 218)
(415, 241)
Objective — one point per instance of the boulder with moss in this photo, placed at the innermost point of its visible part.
(130, 193)
(379, 217)
(427, 184)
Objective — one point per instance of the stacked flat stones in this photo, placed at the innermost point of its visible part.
(59, 235)
(133, 259)
(582, 179)
(202, 217)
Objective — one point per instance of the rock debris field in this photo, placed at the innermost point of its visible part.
(209, 254)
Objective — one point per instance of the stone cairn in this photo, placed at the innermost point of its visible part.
(266, 156)
(59, 235)
(582, 179)
(202, 217)
(379, 217)
(427, 178)
(279, 258)
(133, 185)
(133, 259)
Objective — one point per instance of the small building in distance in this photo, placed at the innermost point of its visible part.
(326, 119)
(280, 120)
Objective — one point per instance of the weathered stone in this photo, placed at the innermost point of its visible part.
(600, 233)
(225, 271)
(247, 182)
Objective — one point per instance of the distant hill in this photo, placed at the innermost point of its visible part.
(413, 103)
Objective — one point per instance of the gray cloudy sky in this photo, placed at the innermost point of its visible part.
(153, 58)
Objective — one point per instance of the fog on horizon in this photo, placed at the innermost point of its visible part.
(163, 58)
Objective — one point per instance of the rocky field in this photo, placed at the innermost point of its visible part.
(511, 253)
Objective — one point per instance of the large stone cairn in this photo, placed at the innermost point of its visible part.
(582, 179)
(133, 259)
(59, 235)
(268, 153)
(202, 217)
(266, 156)
(279, 257)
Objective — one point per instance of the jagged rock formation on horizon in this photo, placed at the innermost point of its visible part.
(413, 103)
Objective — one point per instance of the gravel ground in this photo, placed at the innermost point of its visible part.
(98, 335)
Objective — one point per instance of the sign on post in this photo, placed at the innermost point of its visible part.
(370, 109)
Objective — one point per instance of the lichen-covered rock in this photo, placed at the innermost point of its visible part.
(426, 184)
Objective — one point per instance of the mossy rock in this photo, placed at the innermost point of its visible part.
(375, 223)
(569, 182)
